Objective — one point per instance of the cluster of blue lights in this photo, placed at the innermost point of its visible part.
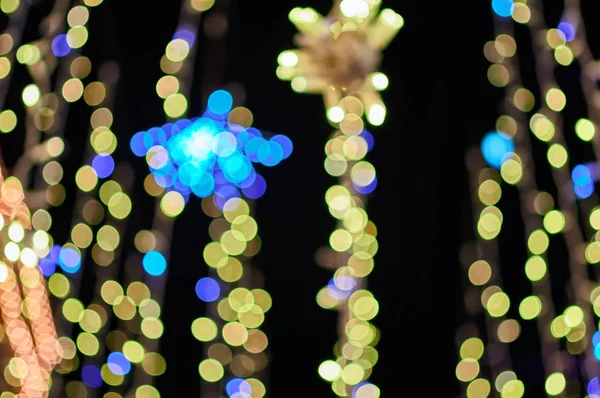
(497, 147)
(208, 155)
(503, 8)
(65, 258)
(583, 177)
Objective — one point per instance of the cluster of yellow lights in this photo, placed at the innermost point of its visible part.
(339, 57)
(542, 219)
(234, 342)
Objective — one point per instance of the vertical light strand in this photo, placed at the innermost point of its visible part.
(234, 345)
(10, 40)
(587, 130)
(485, 292)
(64, 55)
(338, 58)
(37, 98)
(513, 126)
(174, 88)
(554, 101)
(509, 150)
(578, 317)
(87, 220)
(42, 58)
(26, 312)
(41, 62)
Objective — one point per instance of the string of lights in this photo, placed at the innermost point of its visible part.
(487, 191)
(46, 110)
(238, 362)
(586, 130)
(555, 102)
(40, 60)
(26, 313)
(87, 220)
(9, 41)
(177, 64)
(101, 209)
(211, 157)
(51, 117)
(28, 373)
(509, 150)
(482, 267)
(338, 58)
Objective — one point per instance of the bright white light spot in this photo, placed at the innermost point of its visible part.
(31, 95)
(380, 81)
(392, 18)
(335, 114)
(376, 115)
(16, 233)
(288, 58)
(354, 8)
(3, 272)
(29, 258)
(11, 251)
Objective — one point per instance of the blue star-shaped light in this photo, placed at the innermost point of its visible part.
(209, 155)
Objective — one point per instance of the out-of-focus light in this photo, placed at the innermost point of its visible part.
(91, 376)
(60, 46)
(568, 30)
(380, 81)
(209, 155)
(503, 8)
(330, 370)
(593, 388)
(118, 363)
(103, 164)
(238, 388)
(496, 148)
(187, 35)
(208, 290)
(154, 263)
(220, 102)
(288, 58)
(376, 114)
(31, 95)
(583, 177)
(335, 114)
(69, 260)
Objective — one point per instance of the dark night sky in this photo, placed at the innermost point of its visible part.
(439, 102)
